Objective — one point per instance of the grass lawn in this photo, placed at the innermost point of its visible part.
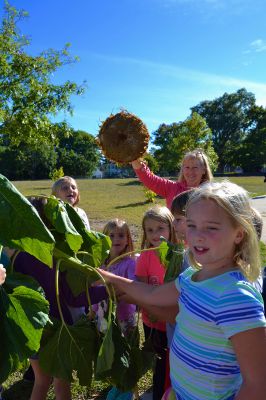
(102, 200)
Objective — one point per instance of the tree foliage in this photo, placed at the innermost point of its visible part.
(251, 152)
(174, 140)
(28, 97)
(228, 117)
(27, 161)
(78, 154)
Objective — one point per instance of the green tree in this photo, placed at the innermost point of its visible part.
(229, 120)
(174, 140)
(27, 162)
(251, 153)
(28, 98)
(78, 154)
(152, 162)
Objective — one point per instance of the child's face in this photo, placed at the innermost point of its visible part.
(211, 235)
(119, 240)
(154, 229)
(180, 226)
(68, 192)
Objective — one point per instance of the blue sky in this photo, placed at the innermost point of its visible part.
(154, 58)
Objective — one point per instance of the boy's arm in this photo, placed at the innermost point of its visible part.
(141, 293)
(250, 349)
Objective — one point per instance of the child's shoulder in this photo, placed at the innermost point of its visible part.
(234, 286)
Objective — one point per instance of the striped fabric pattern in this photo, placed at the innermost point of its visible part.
(202, 361)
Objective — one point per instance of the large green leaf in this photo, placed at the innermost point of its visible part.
(122, 360)
(67, 348)
(171, 256)
(106, 353)
(96, 244)
(113, 358)
(141, 359)
(21, 225)
(78, 274)
(55, 211)
(23, 315)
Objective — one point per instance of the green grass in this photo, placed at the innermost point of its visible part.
(102, 200)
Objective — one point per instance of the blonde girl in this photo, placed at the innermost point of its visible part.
(219, 347)
(157, 222)
(66, 189)
(195, 170)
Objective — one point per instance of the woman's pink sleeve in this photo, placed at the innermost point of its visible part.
(160, 186)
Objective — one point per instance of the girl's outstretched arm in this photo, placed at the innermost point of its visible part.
(143, 294)
(250, 349)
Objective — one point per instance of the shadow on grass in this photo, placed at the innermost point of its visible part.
(42, 188)
(130, 183)
(20, 390)
(140, 203)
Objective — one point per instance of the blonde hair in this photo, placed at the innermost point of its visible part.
(122, 225)
(234, 200)
(199, 155)
(160, 214)
(57, 185)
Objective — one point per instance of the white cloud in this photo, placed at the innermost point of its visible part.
(203, 79)
(258, 45)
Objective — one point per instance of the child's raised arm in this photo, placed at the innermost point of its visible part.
(2, 274)
(163, 295)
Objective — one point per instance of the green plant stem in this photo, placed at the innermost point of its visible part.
(129, 253)
(75, 263)
(57, 293)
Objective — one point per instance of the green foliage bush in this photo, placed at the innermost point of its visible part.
(56, 174)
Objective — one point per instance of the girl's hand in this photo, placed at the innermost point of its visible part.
(136, 164)
(2, 274)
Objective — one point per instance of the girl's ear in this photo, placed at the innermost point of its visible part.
(239, 235)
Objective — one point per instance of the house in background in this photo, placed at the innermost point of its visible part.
(97, 174)
(109, 169)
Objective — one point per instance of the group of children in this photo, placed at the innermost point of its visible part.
(211, 317)
(219, 343)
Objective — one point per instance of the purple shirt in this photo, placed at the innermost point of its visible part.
(26, 264)
(125, 268)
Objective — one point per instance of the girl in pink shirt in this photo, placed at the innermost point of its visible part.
(157, 222)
